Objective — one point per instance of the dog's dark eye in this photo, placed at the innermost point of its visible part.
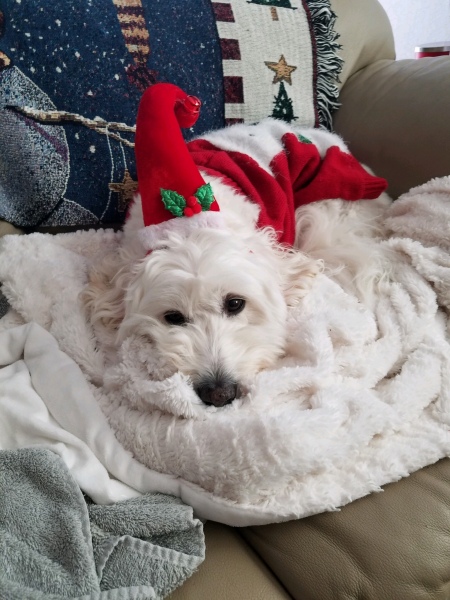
(234, 306)
(174, 317)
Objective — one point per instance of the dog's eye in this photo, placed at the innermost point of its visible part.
(234, 306)
(174, 317)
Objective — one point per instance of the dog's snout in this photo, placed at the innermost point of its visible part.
(217, 393)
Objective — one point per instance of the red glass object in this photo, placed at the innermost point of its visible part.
(187, 110)
(433, 49)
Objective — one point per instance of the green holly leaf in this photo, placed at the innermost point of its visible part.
(173, 201)
(205, 196)
(303, 139)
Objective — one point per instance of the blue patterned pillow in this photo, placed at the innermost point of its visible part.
(72, 73)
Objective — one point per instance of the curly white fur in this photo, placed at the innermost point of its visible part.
(130, 293)
(193, 272)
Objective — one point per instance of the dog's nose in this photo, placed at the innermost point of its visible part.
(216, 394)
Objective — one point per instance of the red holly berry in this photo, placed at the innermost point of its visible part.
(191, 201)
(188, 212)
(197, 209)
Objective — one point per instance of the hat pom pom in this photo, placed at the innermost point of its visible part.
(187, 111)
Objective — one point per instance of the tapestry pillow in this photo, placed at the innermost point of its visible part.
(72, 73)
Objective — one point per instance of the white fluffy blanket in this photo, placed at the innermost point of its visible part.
(368, 404)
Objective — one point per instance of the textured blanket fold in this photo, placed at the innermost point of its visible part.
(368, 403)
(54, 546)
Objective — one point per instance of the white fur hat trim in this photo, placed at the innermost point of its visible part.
(153, 234)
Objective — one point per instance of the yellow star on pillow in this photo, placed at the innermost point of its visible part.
(126, 190)
(282, 70)
(5, 61)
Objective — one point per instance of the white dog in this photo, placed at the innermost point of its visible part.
(212, 302)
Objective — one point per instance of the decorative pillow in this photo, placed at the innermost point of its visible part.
(72, 73)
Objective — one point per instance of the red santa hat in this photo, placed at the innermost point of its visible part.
(174, 195)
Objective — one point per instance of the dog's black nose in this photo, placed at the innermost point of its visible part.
(217, 394)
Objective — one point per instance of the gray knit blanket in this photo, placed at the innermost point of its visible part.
(55, 543)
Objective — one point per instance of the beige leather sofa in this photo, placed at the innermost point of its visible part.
(395, 115)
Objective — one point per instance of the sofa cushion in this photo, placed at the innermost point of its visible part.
(73, 62)
(365, 34)
(7, 229)
(231, 570)
(394, 544)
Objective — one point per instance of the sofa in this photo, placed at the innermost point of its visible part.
(393, 545)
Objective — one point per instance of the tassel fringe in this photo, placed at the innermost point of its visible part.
(329, 63)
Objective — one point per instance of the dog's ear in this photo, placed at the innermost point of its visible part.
(104, 295)
(298, 272)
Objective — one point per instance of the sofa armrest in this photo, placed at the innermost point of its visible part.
(395, 117)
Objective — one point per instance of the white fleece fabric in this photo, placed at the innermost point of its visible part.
(368, 403)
